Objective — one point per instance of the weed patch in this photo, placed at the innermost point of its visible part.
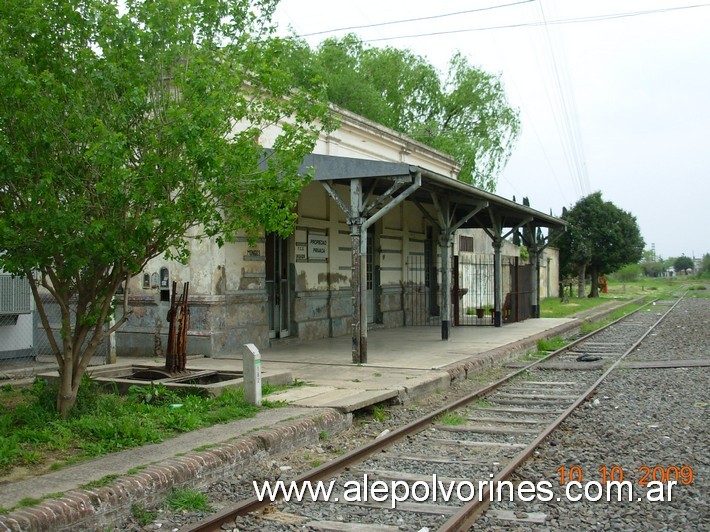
(452, 419)
(101, 423)
(187, 500)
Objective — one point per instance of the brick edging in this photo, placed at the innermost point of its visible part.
(109, 506)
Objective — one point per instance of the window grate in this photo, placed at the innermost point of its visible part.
(15, 295)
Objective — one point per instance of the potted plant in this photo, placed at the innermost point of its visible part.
(480, 312)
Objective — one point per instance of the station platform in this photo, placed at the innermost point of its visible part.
(402, 364)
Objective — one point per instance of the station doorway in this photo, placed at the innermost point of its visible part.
(277, 286)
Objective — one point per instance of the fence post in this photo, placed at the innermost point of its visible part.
(252, 374)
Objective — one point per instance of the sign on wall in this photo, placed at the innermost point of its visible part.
(317, 246)
(301, 235)
(311, 245)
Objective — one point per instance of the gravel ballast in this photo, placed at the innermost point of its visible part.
(643, 418)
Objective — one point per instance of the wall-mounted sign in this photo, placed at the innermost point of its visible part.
(301, 235)
(317, 246)
(301, 252)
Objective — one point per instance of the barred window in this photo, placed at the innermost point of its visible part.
(15, 295)
(465, 243)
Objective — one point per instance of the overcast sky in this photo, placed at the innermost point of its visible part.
(620, 105)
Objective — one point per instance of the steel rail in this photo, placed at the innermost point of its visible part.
(355, 456)
(469, 513)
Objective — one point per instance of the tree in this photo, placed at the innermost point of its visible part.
(466, 114)
(651, 264)
(600, 239)
(121, 132)
(683, 263)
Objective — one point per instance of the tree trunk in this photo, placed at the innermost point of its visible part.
(66, 395)
(581, 274)
(594, 290)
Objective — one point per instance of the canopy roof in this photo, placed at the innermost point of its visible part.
(378, 177)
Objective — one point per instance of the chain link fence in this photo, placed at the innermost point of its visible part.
(23, 339)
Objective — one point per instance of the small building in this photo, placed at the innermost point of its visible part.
(373, 246)
(16, 318)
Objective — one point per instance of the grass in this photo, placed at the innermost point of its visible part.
(35, 436)
(481, 403)
(551, 344)
(142, 516)
(104, 481)
(379, 413)
(452, 418)
(187, 500)
(622, 291)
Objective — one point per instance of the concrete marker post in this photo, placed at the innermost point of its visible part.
(252, 374)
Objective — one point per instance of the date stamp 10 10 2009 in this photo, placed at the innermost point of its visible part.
(682, 475)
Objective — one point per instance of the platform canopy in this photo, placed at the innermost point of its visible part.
(378, 176)
(377, 187)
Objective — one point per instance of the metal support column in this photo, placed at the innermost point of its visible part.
(498, 280)
(355, 222)
(445, 247)
(363, 294)
(535, 282)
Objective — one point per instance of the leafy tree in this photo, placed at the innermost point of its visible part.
(119, 132)
(651, 264)
(683, 263)
(465, 114)
(705, 268)
(629, 272)
(600, 239)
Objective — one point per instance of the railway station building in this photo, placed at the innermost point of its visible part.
(386, 236)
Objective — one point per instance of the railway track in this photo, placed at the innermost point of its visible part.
(418, 476)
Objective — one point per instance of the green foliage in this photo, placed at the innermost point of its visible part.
(551, 344)
(600, 237)
(379, 413)
(452, 418)
(630, 272)
(705, 267)
(552, 307)
(103, 422)
(465, 113)
(683, 263)
(103, 481)
(142, 516)
(156, 394)
(187, 500)
(524, 253)
(119, 133)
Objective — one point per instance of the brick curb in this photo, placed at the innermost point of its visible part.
(108, 506)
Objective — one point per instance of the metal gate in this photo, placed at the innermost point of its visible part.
(474, 290)
(421, 297)
(520, 294)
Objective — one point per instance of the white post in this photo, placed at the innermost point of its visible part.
(252, 374)
(111, 350)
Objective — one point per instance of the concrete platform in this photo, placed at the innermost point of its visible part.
(402, 364)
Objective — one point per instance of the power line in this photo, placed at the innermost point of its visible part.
(570, 133)
(404, 21)
(593, 18)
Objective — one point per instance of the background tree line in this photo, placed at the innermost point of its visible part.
(463, 112)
